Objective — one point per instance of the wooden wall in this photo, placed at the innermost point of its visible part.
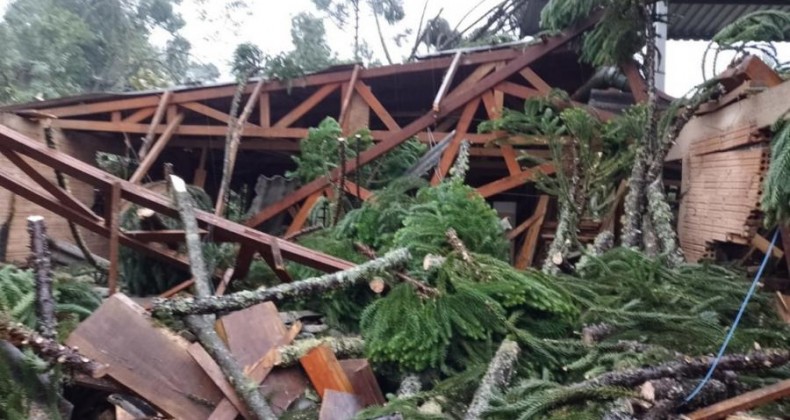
(83, 147)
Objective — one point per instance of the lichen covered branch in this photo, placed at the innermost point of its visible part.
(496, 378)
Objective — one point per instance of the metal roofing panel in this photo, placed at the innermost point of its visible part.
(701, 20)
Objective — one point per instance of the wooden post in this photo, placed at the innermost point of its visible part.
(112, 219)
(527, 253)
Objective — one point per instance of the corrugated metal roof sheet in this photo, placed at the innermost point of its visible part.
(701, 20)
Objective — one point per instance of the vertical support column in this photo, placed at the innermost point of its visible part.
(112, 220)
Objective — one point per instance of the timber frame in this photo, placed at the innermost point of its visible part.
(473, 86)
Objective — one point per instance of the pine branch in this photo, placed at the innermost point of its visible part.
(496, 378)
(48, 349)
(421, 287)
(203, 326)
(40, 261)
(307, 287)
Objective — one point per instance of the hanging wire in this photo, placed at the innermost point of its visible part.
(737, 320)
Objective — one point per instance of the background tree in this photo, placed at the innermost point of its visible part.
(61, 47)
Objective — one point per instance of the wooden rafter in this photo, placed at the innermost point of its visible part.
(448, 157)
(223, 230)
(448, 78)
(301, 217)
(349, 93)
(306, 106)
(59, 193)
(453, 102)
(164, 236)
(139, 115)
(526, 253)
(514, 181)
(369, 98)
(536, 81)
(156, 150)
(213, 113)
(635, 81)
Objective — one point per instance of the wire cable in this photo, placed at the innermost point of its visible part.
(737, 320)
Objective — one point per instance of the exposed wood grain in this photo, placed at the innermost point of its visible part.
(339, 405)
(324, 371)
(147, 359)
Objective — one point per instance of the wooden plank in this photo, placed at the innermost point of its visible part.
(513, 234)
(253, 331)
(265, 109)
(213, 113)
(59, 193)
(165, 236)
(243, 260)
(304, 212)
(156, 150)
(139, 115)
(306, 106)
(324, 371)
(514, 181)
(519, 91)
(148, 359)
(635, 81)
(367, 95)
(760, 110)
(258, 373)
(536, 81)
(526, 254)
(366, 388)
(339, 405)
(214, 372)
(743, 402)
(357, 191)
(759, 242)
(114, 221)
(509, 155)
(160, 112)
(448, 157)
(184, 130)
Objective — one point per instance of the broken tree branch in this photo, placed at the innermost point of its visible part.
(496, 378)
(458, 245)
(203, 326)
(421, 287)
(342, 347)
(42, 269)
(48, 349)
(247, 298)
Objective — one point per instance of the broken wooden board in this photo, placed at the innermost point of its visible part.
(338, 405)
(743, 402)
(324, 371)
(214, 372)
(149, 360)
(363, 381)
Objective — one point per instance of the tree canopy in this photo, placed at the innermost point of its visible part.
(60, 47)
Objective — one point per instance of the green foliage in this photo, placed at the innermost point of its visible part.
(451, 204)
(319, 154)
(142, 275)
(775, 202)
(75, 298)
(20, 386)
(759, 26)
(54, 48)
(615, 38)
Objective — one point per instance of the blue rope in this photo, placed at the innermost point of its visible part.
(731, 332)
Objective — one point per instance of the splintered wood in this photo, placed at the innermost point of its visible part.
(721, 194)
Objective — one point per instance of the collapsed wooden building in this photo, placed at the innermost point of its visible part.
(441, 100)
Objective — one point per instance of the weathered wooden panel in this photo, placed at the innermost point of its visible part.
(149, 360)
(720, 195)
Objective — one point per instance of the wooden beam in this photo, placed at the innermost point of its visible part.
(477, 74)
(156, 150)
(357, 191)
(446, 81)
(530, 55)
(199, 178)
(243, 260)
(183, 130)
(759, 242)
(59, 193)
(509, 154)
(635, 81)
(304, 212)
(169, 236)
(223, 230)
(324, 371)
(275, 260)
(536, 81)
(306, 106)
(368, 96)
(139, 115)
(448, 157)
(349, 92)
(526, 254)
(114, 221)
(519, 91)
(743, 402)
(160, 112)
(514, 181)
(513, 234)
(213, 113)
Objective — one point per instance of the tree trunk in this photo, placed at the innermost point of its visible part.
(497, 377)
(203, 325)
(40, 262)
(307, 287)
